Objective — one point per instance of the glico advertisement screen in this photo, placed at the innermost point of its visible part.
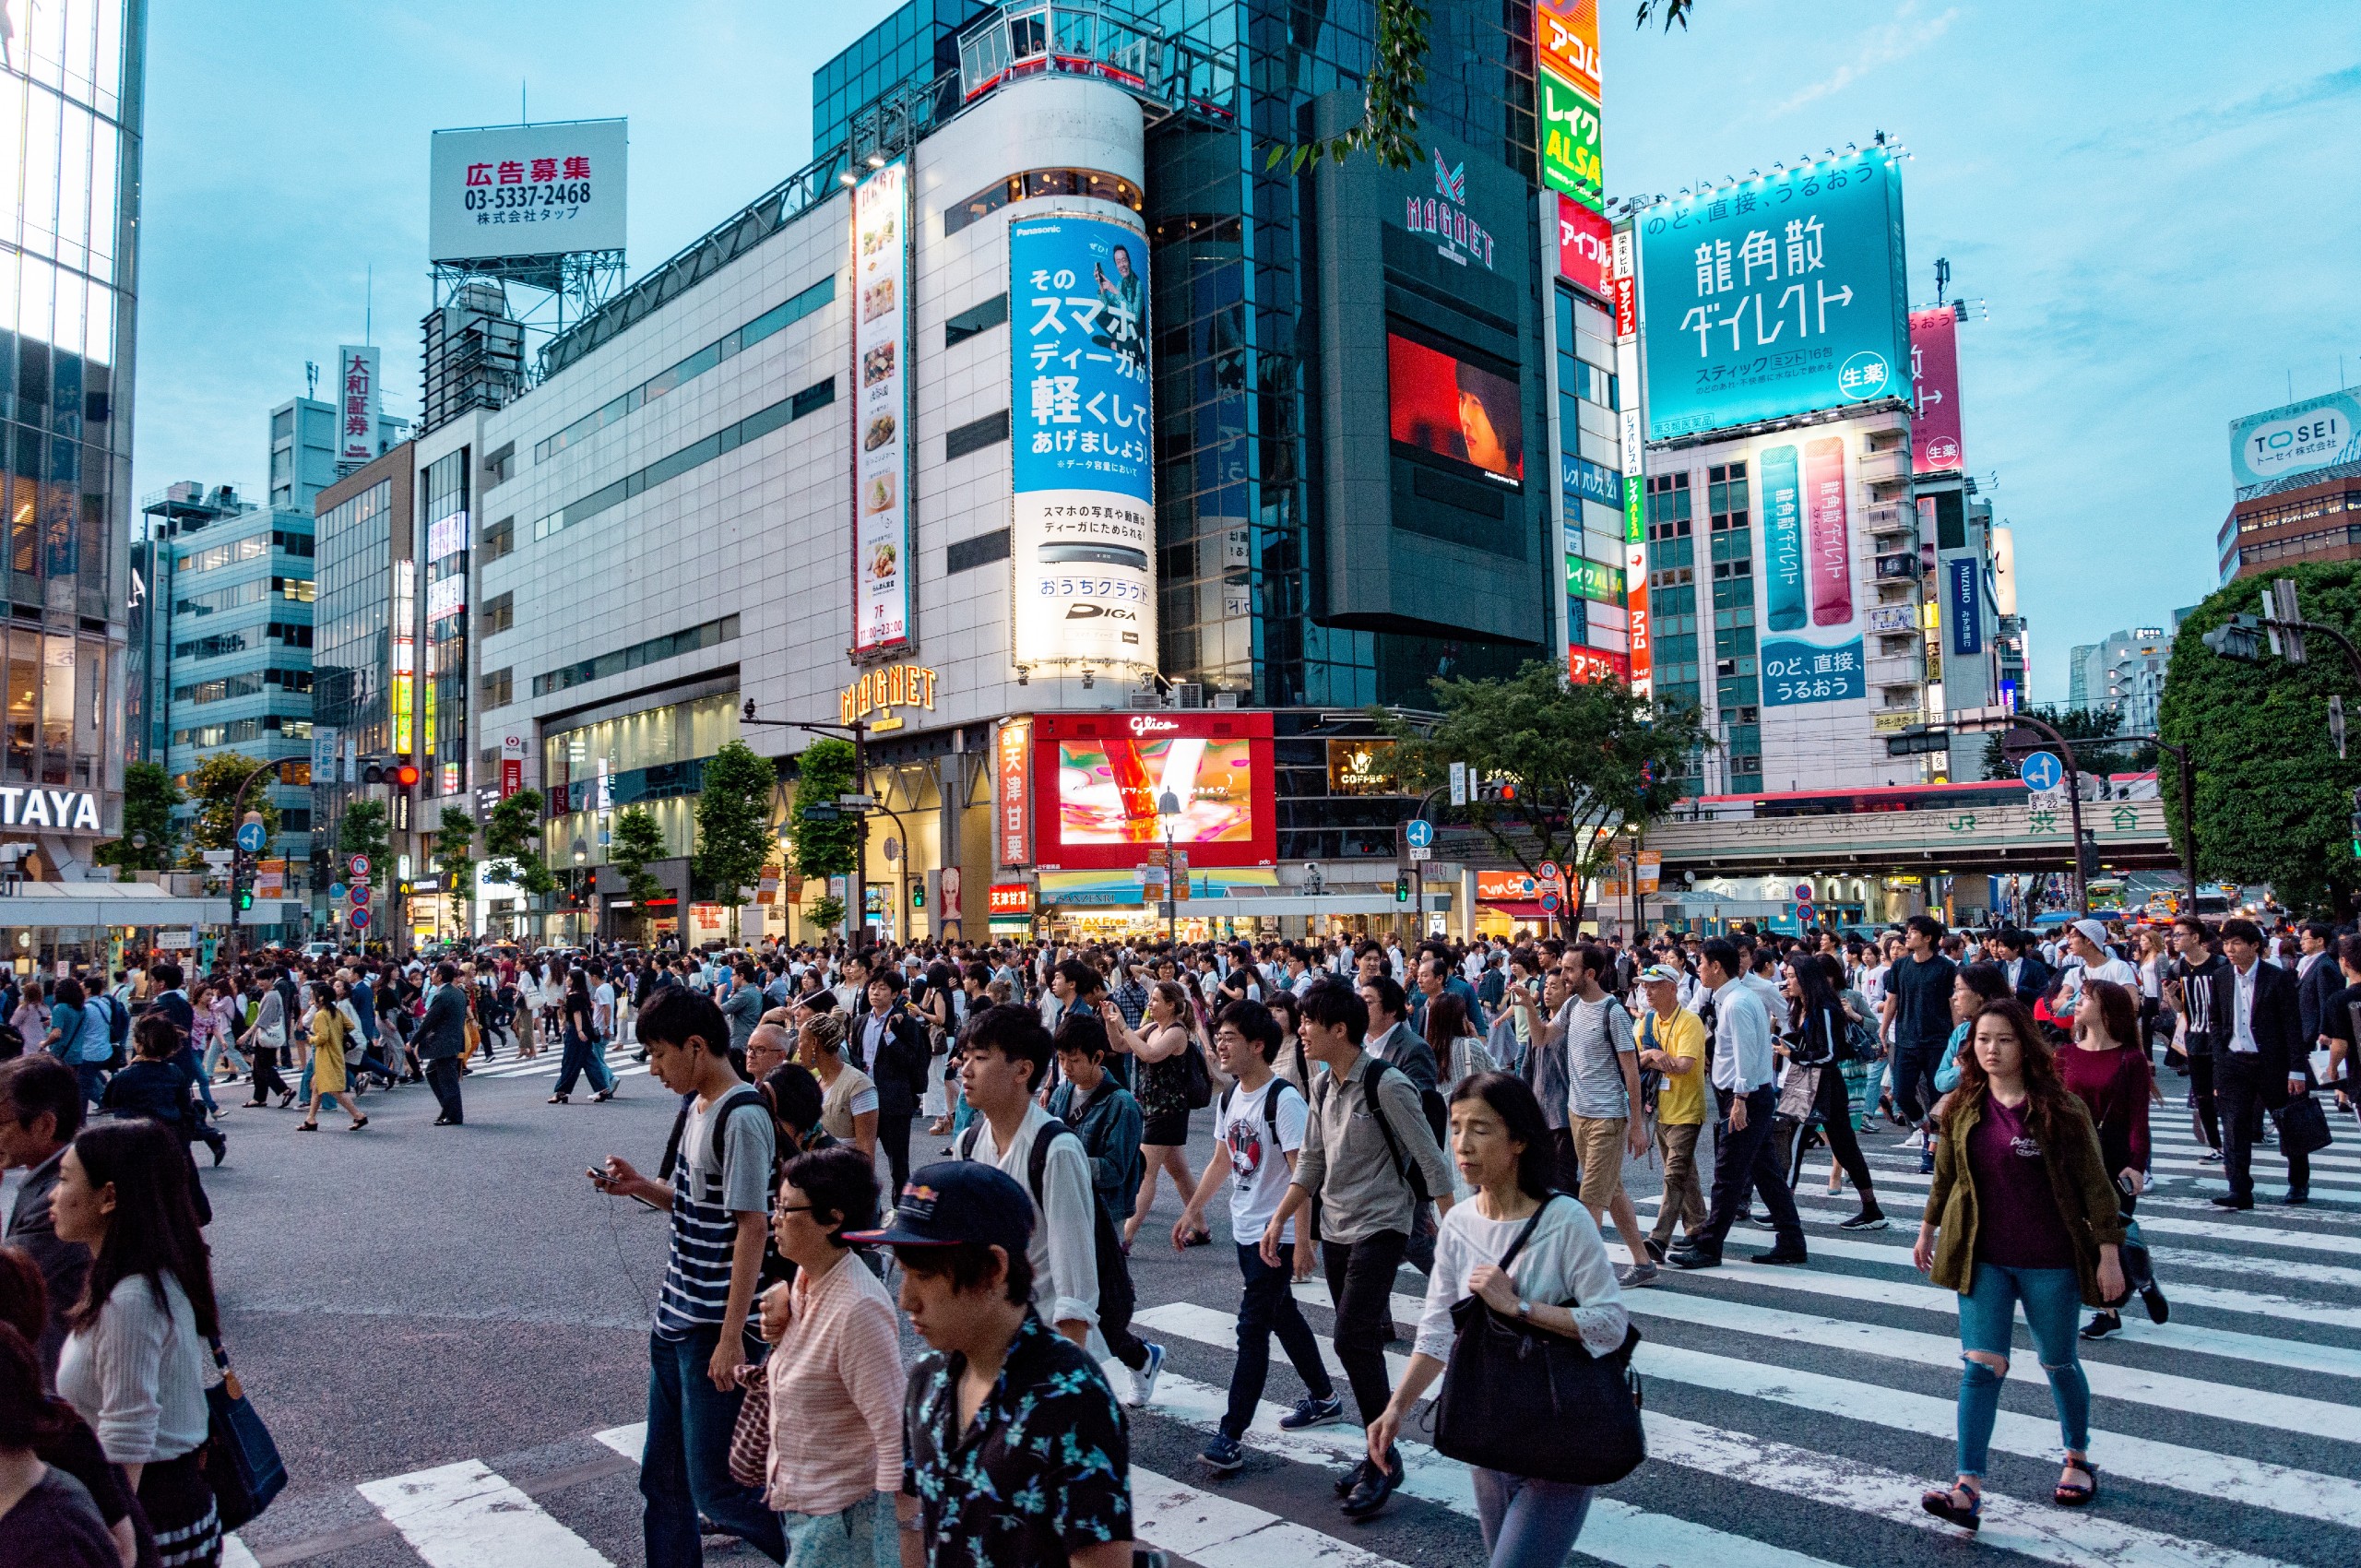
(1101, 783)
(1451, 409)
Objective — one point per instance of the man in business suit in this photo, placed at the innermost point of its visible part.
(2022, 962)
(40, 1110)
(2317, 980)
(2263, 1065)
(442, 1035)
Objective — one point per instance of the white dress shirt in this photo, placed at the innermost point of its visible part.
(1742, 1058)
(2242, 1009)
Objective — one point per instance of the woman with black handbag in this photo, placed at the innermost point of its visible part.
(1520, 1266)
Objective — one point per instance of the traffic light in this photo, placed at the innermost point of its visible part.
(1496, 791)
(1402, 887)
(2090, 856)
(918, 894)
(403, 774)
(245, 899)
(2239, 637)
(2356, 824)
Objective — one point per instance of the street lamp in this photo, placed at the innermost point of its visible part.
(1168, 807)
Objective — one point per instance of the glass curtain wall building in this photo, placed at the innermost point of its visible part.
(70, 94)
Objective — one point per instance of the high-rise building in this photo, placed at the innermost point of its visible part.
(71, 86)
(2123, 672)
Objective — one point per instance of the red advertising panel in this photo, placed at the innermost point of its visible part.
(1566, 31)
(1626, 307)
(1586, 666)
(1635, 605)
(1934, 385)
(1014, 831)
(1012, 898)
(1446, 406)
(1585, 247)
(1104, 776)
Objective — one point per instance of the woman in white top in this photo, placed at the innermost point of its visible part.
(1561, 1281)
(136, 1363)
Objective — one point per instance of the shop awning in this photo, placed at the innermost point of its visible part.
(1517, 908)
(42, 905)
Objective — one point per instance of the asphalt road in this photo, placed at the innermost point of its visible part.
(407, 1299)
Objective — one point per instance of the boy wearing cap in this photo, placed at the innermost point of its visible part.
(1672, 1042)
(1014, 1448)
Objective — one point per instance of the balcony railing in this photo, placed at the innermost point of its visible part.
(1083, 38)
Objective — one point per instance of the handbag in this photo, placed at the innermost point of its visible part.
(2303, 1125)
(242, 1463)
(1527, 1402)
(750, 1440)
(1800, 1093)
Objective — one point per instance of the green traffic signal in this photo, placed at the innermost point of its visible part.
(245, 898)
(1402, 888)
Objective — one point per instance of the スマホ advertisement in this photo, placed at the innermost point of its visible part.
(880, 424)
(1776, 296)
(1111, 786)
(1083, 536)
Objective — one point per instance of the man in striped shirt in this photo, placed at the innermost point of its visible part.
(717, 1186)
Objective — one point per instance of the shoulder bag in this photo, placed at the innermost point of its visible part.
(750, 1440)
(1527, 1402)
(242, 1463)
(2303, 1125)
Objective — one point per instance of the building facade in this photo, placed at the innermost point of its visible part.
(2124, 671)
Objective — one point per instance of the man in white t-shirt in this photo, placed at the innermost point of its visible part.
(2089, 958)
(1258, 1110)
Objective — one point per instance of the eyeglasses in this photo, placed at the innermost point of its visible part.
(798, 1208)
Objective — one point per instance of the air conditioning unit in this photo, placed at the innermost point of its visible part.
(1225, 699)
(1189, 693)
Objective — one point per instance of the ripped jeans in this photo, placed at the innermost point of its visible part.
(1988, 1311)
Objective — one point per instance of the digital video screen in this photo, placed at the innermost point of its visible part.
(1448, 406)
(1108, 791)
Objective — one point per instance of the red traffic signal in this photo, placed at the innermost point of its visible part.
(403, 774)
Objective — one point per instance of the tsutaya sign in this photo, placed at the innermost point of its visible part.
(71, 810)
(882, 690)
(1445, 215)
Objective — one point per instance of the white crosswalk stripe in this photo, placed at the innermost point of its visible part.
(464, 1515)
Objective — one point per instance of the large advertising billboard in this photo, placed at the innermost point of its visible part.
(1934, 446)
(1101, 781)
(525, 190)
(1571, 160)
(356, 406)
(1082, 539)
(2268, 448)
(1446, 407)
(1567, 33)
(880, 424)
(1586, 245)
(1812, 646)
(1776, 296)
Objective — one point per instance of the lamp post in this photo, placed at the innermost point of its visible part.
(1168, 808)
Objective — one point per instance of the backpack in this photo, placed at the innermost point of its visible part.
(1421, 1252)
(118, 1033)
(1116, 1297)
(1270, 1110)
(1200, 1079)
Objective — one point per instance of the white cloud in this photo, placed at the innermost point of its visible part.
(1905, 35)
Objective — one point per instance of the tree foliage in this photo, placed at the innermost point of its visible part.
(214, 786)
(149, 797)
(637, 839)
(827, 911)
(2086, 729)
(823, 848)
(510, 830)
(1389, 125)
(2272, 800)
(734, 822)
(362, 831)
(1588, 762)
(455, 846)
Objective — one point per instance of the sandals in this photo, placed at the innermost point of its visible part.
(2069, 1495)
(358, 1123)
(1945, 1506)
(307, 1126)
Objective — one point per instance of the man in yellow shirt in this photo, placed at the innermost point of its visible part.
(1672, 1042)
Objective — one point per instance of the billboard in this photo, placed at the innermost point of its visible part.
(1101, 778)
(1808, 577)
(1570, 139)
(1777, 296)
(356, 406)
(1586, 245)
(1014, 760)
(525, 190)
(881, 422)
(1083, 535)
(1934, 392)
(1963, 603)
(1567, 34)
(2268, 448)
(1448, 408)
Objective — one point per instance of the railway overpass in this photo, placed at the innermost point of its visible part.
(1988, 839)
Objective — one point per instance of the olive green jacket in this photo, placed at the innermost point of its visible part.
(2086, 1198)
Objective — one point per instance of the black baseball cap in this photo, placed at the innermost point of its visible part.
(955, 1201)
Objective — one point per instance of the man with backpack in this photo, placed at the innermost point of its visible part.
(1603, 1110)
(1089, 1103)
(1373, 1161)
(718, 1181)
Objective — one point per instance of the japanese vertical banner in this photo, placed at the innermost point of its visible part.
(880, 424)
(512, 764)
(356, 405)
(1083, 523)
(1014, 830)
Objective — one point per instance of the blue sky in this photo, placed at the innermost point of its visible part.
(2153, 202)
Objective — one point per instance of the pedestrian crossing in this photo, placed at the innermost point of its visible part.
(1794, 1417)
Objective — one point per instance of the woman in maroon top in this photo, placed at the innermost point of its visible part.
(2116, 1081)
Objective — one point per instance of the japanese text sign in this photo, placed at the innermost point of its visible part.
(1569, 140)
(525, 190)
(1567, 34)
(356, 405)
(1934, 387)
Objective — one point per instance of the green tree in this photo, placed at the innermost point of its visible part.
(510, 831)
(2272, 799)
(637, 840)
(2086, 729)
(1588, 762)
(362, 831)
(149, 797)
(824, 846)
(214, 787)
(827, 911)
(734, 822)
(455, 844)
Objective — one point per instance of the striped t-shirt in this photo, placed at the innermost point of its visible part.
(710, 1191)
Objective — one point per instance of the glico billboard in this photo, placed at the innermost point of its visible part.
(1774, 296)
(1100, 782)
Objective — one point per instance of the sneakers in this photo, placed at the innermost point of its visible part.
(2101, 1324)
(1865, 1220)
(1927, 1160)
(2211, 1156)
(1634, 1276)
(1225, 1456)
(1143, 1380)
(1310, 1412)
(2152, 1295)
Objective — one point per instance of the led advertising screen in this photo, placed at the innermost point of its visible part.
(525, 190)
(1445, 406)
(880, 424)
(1934, 446)
(1776, 296)
(1083, 549)
(1101, 781)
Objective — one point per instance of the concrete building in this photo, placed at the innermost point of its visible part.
(2124, 671)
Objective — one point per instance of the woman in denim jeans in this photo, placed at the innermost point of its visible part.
(2021, 1210)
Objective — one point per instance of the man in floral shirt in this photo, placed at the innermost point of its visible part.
(1014, 1446)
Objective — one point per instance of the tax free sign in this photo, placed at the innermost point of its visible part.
(1774, 296)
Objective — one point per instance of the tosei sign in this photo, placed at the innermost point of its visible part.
(2268, 448)
(525, 190)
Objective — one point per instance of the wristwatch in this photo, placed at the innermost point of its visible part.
(1525, 1309)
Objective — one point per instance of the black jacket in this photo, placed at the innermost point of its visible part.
(2034, 978)
(900, 1068)
(444, 1031)
(2313, 989)
(2277, 1026)
(2216, 976)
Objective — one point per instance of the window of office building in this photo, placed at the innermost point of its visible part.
(1738, 683)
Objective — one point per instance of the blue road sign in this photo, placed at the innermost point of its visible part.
(251, 837)
(2042, 771)
(359, 919)
(335, 892)
(1422, 833)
